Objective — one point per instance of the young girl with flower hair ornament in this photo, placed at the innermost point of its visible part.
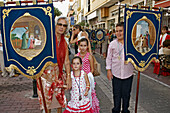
(80, 102)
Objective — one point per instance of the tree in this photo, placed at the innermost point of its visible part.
(57, 12)
(13, 36)
(82, 23)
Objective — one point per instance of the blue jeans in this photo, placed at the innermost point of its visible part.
(121, 90)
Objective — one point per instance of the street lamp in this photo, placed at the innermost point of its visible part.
(35, 95)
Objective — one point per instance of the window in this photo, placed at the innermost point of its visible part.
(88, 5)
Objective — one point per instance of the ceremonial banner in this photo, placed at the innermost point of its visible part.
(93, 35)
(72, 20)
(100, 34)
(28, 38)
(141, 36)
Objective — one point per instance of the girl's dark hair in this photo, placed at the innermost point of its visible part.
(77, 57)
(83, 40)
(78, 27)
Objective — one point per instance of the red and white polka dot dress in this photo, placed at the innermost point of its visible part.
(75, 105)
(86, 62)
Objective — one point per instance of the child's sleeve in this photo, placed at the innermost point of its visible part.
(109, 57)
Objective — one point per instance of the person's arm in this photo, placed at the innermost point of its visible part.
(91, 63)
(109, 63)
(89, 45)
(87, 84)
(67, 67)
(72, 41)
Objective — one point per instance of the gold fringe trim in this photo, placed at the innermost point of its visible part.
(12, 66)
(138, 68)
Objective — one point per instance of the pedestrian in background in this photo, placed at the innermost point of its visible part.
(113, 36)
(4, 71)
(120, 73)
(163, 37)
(88, 67)
(105, 43)
(80, 34)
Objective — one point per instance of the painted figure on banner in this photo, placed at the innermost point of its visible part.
(24, 40)
(31, 42)
(54, 80)
(147, 37)
(139, 40)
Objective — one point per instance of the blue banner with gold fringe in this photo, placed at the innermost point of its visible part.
(28, 38)
(141, 36)
(100, 34)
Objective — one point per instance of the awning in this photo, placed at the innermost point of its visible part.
(92, 15)
(165, 3)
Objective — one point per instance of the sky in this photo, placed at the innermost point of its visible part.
(63, 6)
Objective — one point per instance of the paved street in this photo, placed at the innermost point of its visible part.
(154, 95)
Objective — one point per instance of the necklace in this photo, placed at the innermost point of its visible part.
(82, 57)
(78, 85)
(119, 50)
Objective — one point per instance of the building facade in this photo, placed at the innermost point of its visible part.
(105, 13)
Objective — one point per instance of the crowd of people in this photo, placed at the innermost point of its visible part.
(78, 75)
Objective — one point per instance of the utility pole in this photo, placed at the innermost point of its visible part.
(119, 12)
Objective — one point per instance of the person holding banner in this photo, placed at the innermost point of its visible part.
(120, 73)
(53, 79)
(80, 34)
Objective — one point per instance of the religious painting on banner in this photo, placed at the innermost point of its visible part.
(28, 38)
(93, 35)
(141, 36)
(100, 34)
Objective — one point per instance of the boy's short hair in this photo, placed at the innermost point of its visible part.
(121, 24)
(77, 57)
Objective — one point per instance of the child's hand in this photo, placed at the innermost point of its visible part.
(86, 93)
(109, 75)
(65, 86)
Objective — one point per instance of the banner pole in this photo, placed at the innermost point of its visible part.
(137, 92)
(44, 102)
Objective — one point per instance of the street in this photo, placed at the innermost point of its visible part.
(154, 95)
